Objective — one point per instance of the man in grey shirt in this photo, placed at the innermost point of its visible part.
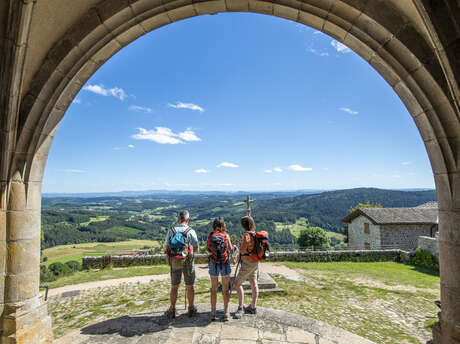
(188, 270)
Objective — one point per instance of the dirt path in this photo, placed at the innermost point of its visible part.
(201, 272)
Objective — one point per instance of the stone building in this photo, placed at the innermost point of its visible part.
(390, 228)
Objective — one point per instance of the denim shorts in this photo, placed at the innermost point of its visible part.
(216, 269)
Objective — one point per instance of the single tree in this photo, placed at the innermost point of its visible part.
(315, 237)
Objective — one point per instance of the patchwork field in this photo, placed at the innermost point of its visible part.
(65, 253)
(384, 302)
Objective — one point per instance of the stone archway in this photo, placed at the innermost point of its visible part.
(52, 47)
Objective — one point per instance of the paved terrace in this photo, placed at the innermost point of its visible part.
(268, 326)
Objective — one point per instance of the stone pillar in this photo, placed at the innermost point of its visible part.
(448, 331)
(25, 317)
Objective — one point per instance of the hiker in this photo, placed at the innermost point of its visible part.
(181, 244)
(219, 248)
(249, 268)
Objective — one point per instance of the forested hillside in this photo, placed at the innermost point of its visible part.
(68, 220)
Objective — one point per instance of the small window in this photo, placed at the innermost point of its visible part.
(367, 246)
(366, 228)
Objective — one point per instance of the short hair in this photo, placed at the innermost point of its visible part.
(218, 224)
(247, 222)
(183, 216)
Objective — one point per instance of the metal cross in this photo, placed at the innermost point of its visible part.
(248, 202)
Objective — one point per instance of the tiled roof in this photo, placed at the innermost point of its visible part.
(417, 215)
(428, 205)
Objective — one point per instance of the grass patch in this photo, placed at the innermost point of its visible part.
(105, 274)
(65, 253)
(390, 273)
(94, 219)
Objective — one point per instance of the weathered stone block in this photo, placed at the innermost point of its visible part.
(334, 31)
(424, 126)
(239, 333)
(141, 6)
(23, 225)
(311, 20)
(385, 70)
(182, 13)
(130, 35)
(23, 257)
(237, 5)
(156, 22)
(295, 335)
(407, 97)
(261, 7)
(285, 12)
(358, 47)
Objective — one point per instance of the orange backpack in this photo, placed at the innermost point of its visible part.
(261, 246)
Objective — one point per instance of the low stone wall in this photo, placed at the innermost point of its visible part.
(429, 244)
(305, 256)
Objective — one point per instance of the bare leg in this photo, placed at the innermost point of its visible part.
(190, 295)
(255, 291)
(225, 292)
(240, 293)
(173, 296)
(214, 287)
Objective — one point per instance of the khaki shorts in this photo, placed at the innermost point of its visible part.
(188, 271)
(248, 271)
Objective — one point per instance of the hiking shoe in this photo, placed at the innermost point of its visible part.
(192, 311)
(226, 316)
(170, 313)
(212, 316)
(250, 309)
(239, 313)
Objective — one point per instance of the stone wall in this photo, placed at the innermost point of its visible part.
(357, 238)
(404, 237)
(429, 244)
(306, 256)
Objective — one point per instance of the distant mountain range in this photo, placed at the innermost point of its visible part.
(128, 193)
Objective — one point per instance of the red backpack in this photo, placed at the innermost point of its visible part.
(261, 247)
(218, 246)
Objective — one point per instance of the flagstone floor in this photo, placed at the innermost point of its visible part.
(268, 326)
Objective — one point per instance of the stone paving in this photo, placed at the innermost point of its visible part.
(267, 327)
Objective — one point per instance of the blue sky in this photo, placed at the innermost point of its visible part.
(236, 102)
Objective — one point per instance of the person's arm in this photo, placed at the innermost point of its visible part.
(194, 241)
(244, 245)
(229, 243)
(167, 249)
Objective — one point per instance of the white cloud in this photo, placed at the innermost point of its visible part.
(299, 168)
(76, 101)
(348, 110)
(138, 108)
(201, 170)
(316, 32)
(227, 164)
(101, 90)
(268, 171)
(130, 146)
(340, 47)
(165, 135)
(189, 135)
(317, 52)
(405, 163)
(395, 176)
(190, 106)
(278, 169)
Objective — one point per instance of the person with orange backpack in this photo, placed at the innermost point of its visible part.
(219, 248)
(254, 248)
